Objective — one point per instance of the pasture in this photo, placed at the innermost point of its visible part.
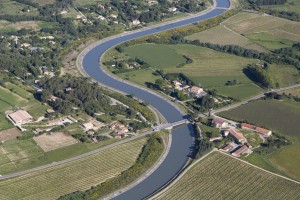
(220, 176)
(267, 31)
(76, 175)
(54, 141)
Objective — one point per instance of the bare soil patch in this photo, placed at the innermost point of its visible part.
(9, 134)
(54, 141)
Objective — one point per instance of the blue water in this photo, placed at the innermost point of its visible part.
(182, 140)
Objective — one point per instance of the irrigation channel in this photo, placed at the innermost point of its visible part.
(182, 137)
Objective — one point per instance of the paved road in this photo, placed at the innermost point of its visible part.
(182, 137)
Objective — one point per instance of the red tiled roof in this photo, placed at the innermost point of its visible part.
(262, 130)
(218, 121)
(238, 135)
(241, 150)
(248, 126)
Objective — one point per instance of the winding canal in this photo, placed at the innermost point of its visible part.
(182, 138)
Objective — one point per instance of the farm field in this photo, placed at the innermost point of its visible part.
(45, 157)
(76, 175)
(221, 176)
(54, 141)
(210, 69)
(294, 91)
(9, 134)
(281, 117)
(223, 35)
(267, 31)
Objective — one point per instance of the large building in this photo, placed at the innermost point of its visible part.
(262, 131)
(237, 136)
(219, 123)
(20, 117)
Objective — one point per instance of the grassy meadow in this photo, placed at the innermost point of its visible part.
(220, 176)
(281, 117)
(289, 6)
(76, 175)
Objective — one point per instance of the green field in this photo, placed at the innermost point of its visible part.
(76, 175)
(290, 6)
(267, 31)
(9, 7)
(210, 69)
(281, 117)
(219, 176)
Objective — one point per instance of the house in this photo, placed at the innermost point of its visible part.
(101, 17)
(240, 151)
(219, 123)
(226, 148)
(63, 12)
(177, 85)
(49, 111)
(173, 9)
(53, 98)
(25, 45)
(114, 16)
(237, 136)
(136, 22)
(197, 91)
(20, 117)
(69, 89)
(262, 131)
(50, 37)
(87, 126)
(90, 133)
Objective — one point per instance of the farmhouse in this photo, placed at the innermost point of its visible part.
(219, 123)
(242, 150)
(177, 85)
(20, 117)
(87, 126)
(262, 131)
(197, 91)
(237, 136)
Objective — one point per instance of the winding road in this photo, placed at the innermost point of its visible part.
(182, 137)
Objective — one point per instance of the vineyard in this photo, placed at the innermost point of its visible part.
(80, 174)
(219, 176)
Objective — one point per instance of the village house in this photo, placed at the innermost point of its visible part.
(197, 91)
(101, 18)
(50, 37)
(50, 111)
(215, 138)
(114, 16)
(237, 136)
(173, 9)
(240, 151)
(119, 129)
(177, 85)
(219, 123)
(20, 117)
(25, 45)
(87, 126)
(262, 131)
(136, 22)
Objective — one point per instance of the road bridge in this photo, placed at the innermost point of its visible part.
(170, 125)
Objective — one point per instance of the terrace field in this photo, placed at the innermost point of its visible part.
(76, 175)
(220, 176)
(281, 117)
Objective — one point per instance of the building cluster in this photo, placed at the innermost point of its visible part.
(240, 145)
(120, 130)
(192, 91)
